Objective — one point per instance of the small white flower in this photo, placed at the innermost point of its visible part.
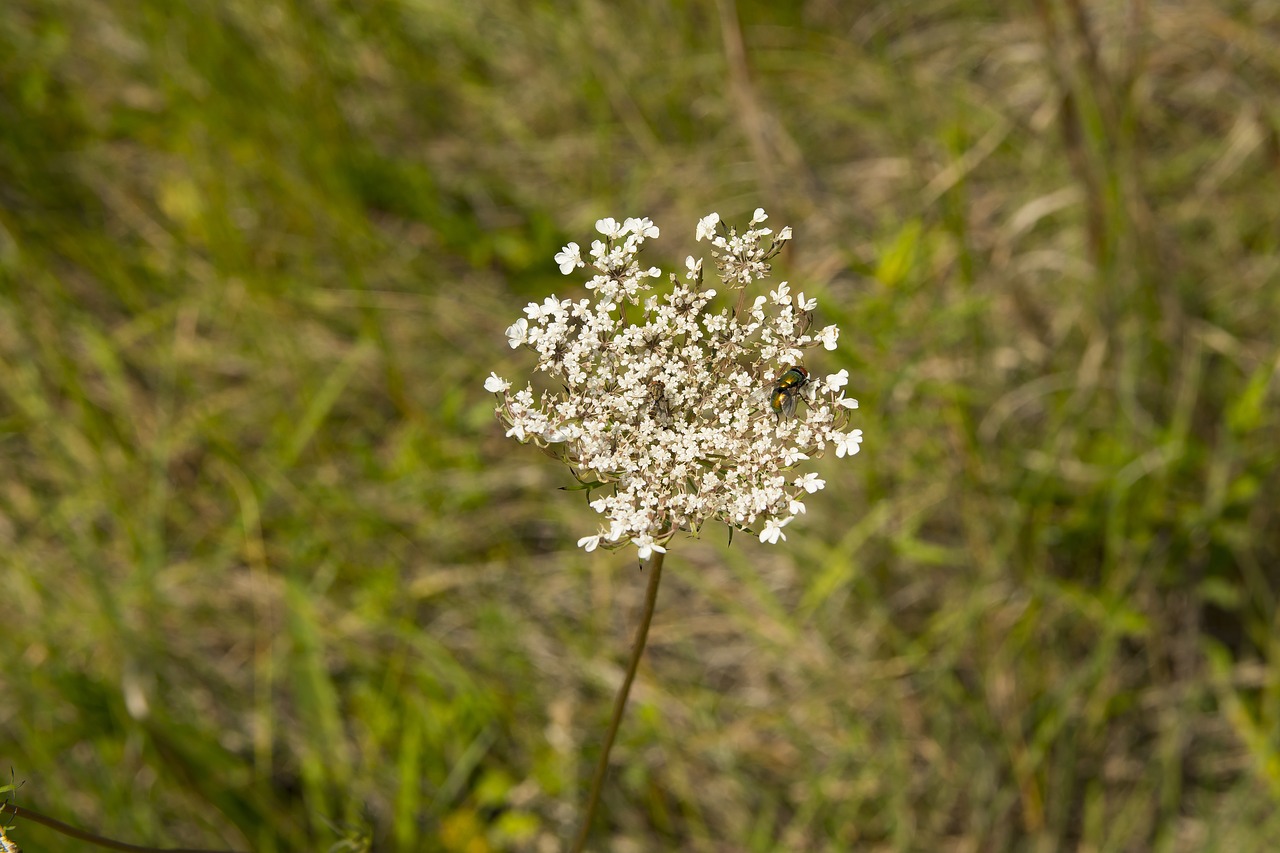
(829, 336)
(836, 381)
(784, 234)
(496, 384)
(570, 258)
(811, 482)
(797, 507)
(641, 227)
(589, 543)
(759, 216)
(693, 267)
(707, 227)
(848, 444)
(646, 546)
(518, 333)
(803, 304)
(609, 227)
(781, 296)
(773, 531)
(848, 403)
(792, 455)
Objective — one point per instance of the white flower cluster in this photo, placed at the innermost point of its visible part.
(673, 410)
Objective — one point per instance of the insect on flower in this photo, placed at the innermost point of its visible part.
(785, 392)
(659, 408)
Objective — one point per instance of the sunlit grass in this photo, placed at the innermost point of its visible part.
(274, 579)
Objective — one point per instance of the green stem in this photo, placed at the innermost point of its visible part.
(90, 837)
(620, 701)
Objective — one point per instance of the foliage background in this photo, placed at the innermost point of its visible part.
(274, 579)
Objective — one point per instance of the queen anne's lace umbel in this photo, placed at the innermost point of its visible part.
(663, 405)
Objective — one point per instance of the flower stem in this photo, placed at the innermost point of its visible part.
(84, 835)
(620, 701)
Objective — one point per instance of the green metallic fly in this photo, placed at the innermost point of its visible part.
(785, 392)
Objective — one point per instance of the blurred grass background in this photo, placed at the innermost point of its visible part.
(274, 579)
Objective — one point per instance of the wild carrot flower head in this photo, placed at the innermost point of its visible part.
(672, 411)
